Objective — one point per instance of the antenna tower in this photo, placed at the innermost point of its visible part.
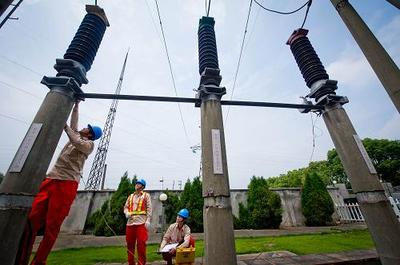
(97, 172)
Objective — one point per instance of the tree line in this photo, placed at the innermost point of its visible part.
(384, 154)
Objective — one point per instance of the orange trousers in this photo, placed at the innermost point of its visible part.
(49, 209)
(136, 234)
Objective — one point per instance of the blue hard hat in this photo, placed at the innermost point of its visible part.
(96, 132)
(184, 213)
(141, 181)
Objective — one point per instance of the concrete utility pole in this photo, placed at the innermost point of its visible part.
(375, 206)
(396, 3)
(384, 67)
(32, 159)
(217, 212)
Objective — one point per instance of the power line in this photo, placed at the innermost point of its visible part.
(308, 9)
(170, 69)
(13, 118)
(152, 20)
(208, 8)
(282, 12)
(19, 89)
(240, 58)
(21, 65)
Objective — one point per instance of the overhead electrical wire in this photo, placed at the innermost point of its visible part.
(172, 74)
(305, 17)
(208, 7)
(152, 20)
(21, 65)
(240, 58)
(282, 12)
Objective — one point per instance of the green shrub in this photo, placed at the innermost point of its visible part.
(317, 205)
(263, 207)
(110, 219)
(191, 198)
(243, 221)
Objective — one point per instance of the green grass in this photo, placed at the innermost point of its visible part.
(331, 242)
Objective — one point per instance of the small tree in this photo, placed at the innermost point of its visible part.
(110, 219)
(190, 198)
(316, 203)
(263, 207)
(243, 221)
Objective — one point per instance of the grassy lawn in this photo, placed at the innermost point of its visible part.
(334, 241)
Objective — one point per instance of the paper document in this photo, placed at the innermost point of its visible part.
(168, 247)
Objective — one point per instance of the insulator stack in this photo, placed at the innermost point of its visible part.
(208, 56)
(307, 59)
(86, 42)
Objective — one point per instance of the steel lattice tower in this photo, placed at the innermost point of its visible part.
(98, 170)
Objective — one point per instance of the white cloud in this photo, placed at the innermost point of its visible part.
(353, 71)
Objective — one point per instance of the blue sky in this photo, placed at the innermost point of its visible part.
(148, 138)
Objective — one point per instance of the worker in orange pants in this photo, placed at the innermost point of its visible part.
(57, 192)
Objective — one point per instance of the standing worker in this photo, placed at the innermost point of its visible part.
(177, 233)
(137, 210)
(57, 192)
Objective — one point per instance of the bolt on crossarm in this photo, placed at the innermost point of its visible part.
(217, 211)
(377, 211)
(384, 67)
(33, 157)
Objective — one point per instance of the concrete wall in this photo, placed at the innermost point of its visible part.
(291, 206)
(238, 196)
(87, 202)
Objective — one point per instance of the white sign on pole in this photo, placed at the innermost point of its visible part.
(26, 146)
(217, 151)
(365, 155)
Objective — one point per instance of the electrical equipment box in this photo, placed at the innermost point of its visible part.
(185, 256)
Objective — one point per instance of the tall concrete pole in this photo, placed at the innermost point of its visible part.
(219, 238)
(380, 61)
(33, 157)
(377, 211)
(396, 3)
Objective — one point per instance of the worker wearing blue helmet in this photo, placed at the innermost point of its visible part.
(177, 236)
(58, 190)
(137, 210)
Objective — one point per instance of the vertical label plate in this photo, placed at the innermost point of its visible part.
(26, 146)
(365, 155)
(217, 152)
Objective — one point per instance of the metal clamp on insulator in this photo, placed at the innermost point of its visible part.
(65, 85)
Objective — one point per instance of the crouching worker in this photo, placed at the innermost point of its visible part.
(177, 233)
(137, 210)
(57, 192)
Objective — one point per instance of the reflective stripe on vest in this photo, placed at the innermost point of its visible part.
(140, 208)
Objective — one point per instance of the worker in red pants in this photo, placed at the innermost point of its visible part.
(137, 210)
(57, 192)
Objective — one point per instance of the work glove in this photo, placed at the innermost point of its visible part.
(128, 215)
(147, 225)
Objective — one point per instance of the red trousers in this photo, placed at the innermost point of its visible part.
(49, 209)
(136, 233)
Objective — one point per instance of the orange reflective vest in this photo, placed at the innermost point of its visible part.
(140, 207)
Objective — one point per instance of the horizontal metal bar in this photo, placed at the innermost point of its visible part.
(196, 100)
(270, 104)
(140, 98)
